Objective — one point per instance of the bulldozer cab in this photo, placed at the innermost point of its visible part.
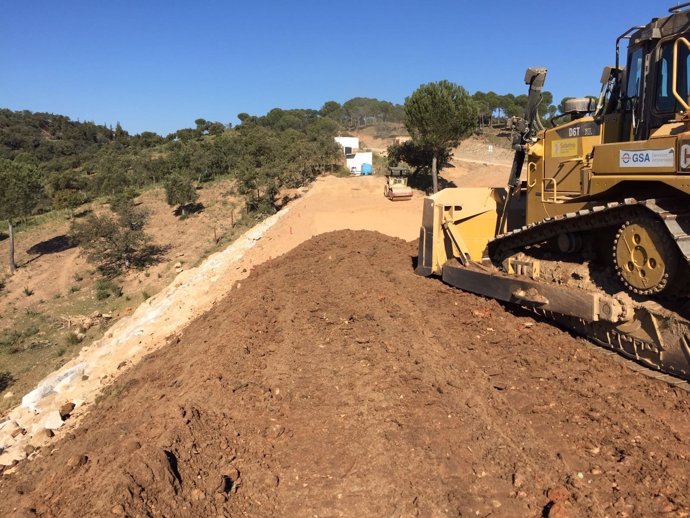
(641, 113)
(654, 86)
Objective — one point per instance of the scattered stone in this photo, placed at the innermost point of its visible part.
(197, 494)
(596, 471)
(8, 428)
(558, 510)
(668, 508)
(41, 437)
(107, 316)
(118, 510)
(233, 474)
(17, 430)
(132, 445)
(29, 449)
(77, 460)
(8, 395)
(178, 265)
(45, 432)
(96, 314)
(495, 504)
(275, 431)
(11, 457)
(80, 336)
(518, 479)
(558, 494)
(66, 410)
(53, 420)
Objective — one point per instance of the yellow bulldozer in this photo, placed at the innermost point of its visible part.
(592, 229)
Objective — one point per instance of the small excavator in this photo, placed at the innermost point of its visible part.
(592, 229)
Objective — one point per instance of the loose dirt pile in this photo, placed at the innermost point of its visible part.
(335, 382)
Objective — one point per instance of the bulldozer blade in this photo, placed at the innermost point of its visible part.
(457, 223)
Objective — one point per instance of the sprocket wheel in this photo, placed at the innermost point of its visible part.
(645, 257)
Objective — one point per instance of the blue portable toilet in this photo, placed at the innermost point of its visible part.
(366, 169)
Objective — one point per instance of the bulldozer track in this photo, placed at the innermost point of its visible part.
(664, 357)
(674, 381)
(670, 212)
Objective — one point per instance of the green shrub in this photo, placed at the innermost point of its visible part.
(31, 330)
(106, 287)
(10, 338)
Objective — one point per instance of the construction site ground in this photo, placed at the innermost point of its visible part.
(333, 381)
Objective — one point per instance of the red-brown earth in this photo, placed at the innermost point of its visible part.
(335, 382)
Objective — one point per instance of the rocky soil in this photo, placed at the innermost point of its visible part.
(335, 382)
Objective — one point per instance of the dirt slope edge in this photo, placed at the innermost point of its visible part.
(335, 382)
(154, 321)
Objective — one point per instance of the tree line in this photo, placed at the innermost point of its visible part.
(50, 162)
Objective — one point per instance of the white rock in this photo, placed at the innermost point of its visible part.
(11, 456)
(8, 395)
(52, 420)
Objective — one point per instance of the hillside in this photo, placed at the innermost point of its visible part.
(55, 290)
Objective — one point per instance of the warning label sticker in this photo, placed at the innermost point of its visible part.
(563, 148)
(647, 158)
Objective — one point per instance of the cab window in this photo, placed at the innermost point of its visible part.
(665, 101)
(634, 73)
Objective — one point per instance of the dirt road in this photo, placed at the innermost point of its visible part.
(335, 382)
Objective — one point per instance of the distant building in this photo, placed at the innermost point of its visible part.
(360, 163)
(349, 144)
(357, 162)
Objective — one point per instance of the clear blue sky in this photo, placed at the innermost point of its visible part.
(158, 65)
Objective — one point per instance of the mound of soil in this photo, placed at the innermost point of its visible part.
(335, 382)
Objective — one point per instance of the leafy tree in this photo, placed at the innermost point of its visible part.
(180, 191)
(115, 243)
(216, 128)
(20, 193)
(417, 156)
(492, 105)
(438, 115)
(67, 190)
(109, 170)
(122, 201)
(120, 134)
(147, 139)
(245, 118)
(332, 110)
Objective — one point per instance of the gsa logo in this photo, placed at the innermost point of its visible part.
(625, 158)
